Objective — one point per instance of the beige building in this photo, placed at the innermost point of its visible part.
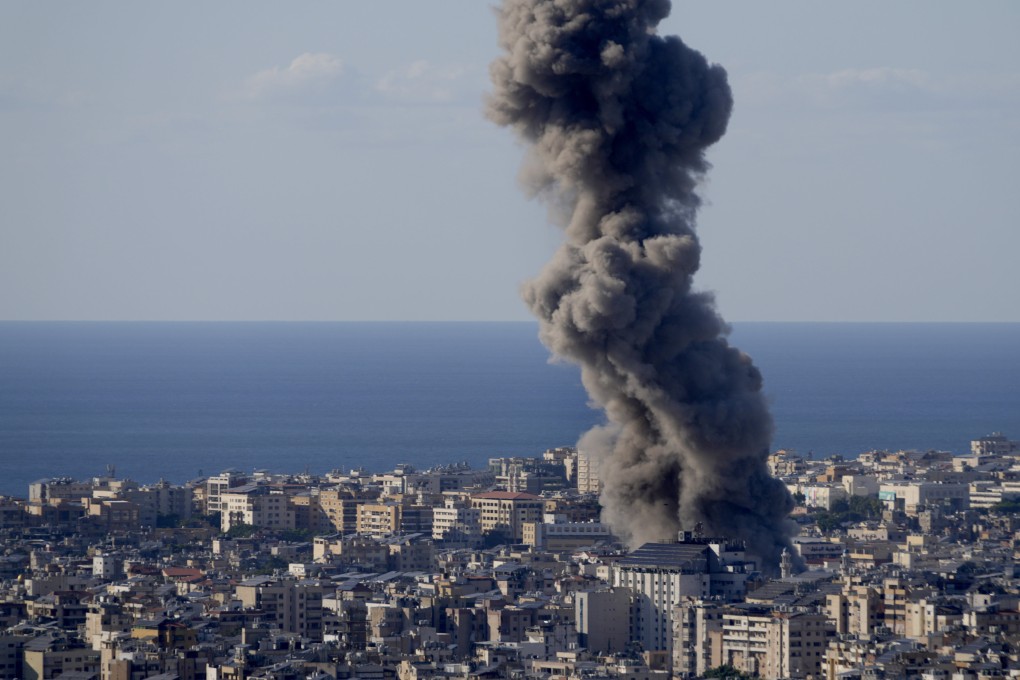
(994, 444)
(293, 605)
(379, 519)
(255, 505)
(772, 644)
(112, 514)
(697, 637)
(340, 505)
(587, 473)
(61, 488)
(47, 657)
(896, 595)
(308, 513)
(858, 610)
(507, 512)
(352, 549)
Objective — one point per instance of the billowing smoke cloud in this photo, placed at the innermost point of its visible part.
(618, 120)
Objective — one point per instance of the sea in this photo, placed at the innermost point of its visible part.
(176, 401)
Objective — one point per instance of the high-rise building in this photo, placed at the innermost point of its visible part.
(662, 574)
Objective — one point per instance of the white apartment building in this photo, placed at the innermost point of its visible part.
(456, 522)
(216, 485)
(661, 575)
(911, 494)
(986, 493)
(823, 495)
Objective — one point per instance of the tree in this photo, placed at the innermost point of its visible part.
(241, 531)
(1007, 506)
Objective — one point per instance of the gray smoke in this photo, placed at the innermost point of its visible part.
(618, 120)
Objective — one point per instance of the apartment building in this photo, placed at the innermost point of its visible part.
(661, 575)
(587, 473)
(217, 485)
(379, 519)
(295, 606)
(340, 506)
(457, 523)
(255, 505)
(774, 644)
(506, 512)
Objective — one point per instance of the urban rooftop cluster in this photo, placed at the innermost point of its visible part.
(904, 567)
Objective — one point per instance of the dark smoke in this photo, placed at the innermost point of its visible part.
(618, 120)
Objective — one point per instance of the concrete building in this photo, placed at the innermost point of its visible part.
(994, 444)
(857, 610)
(587, 473)
(49, 656)
(661, 575)
(255, 505)
(697, 637)
(911, 495)
(295, 606)
(106, 565)
(603, 619)
(823, 495)
(110, 514)
(340, 506)
(774, 644)
(506, 512)
(58, 488)
(216, 485)
(554, 533)
(379, 519)
(308, 513)
(814, 549)
(457, 524)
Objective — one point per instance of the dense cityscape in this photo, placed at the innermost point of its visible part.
(903, 567)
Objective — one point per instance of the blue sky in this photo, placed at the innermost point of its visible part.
(330, 160)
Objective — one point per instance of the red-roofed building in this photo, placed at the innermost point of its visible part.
(506, 512)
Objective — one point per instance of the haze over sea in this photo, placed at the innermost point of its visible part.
(177, 400)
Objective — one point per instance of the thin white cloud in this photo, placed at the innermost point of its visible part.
(319, 78)
(422, 82)
(885, 87)
(884, 76)
(308, 74)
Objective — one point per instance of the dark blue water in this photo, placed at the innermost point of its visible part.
(173, 399)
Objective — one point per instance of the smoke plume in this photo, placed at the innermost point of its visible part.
(618, 119)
